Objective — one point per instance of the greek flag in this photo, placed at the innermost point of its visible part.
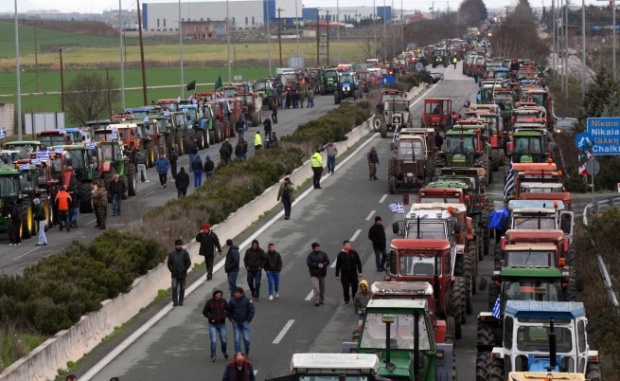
(496, 308)
(2, 133)
(113, 135)
(59, 150)
(36, 161)
(509, 187)
(24, 167)
(90, 146)
(43, 155)
(397, 208)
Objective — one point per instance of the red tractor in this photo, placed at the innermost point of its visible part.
(437, 113)
(251, 106)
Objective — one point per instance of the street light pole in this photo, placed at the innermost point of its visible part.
(338, 27)
(19, 86)
(181, 53)
(228, 43)
(120, 33)
(269, 36)
(555, 37)
(374, 25)
(583, 50)
(297, 31)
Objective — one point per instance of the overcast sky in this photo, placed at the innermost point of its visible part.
(100, 5)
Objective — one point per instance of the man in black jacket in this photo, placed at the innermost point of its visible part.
(178, 264)
(317, 263)
(231, 265)
(273, 266)
(182, 182)
(226, 151)
(209, 241)
(116, 190)
(254, 261)
(216, 311)
(241, 313)
(376, 234)
(348, 267)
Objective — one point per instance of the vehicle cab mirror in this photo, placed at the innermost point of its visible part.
(398, 228)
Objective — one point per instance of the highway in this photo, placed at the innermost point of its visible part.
(13, 260)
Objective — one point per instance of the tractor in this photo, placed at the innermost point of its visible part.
(347, 86)
(111, 159)
(541, 215)
(544, 340)
(447, 222)
(251, 106)
(27, 148)
(49, 138)
(391, 103)
(530, 145)
(10, 191)
(153, 138)
(31, 185)
(437, 113)
(333, 366)
(464, 147)
(412, 161)
(79, 160)
(264, 89)
(440, 57)
(328, 81)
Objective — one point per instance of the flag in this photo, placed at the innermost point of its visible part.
(113, 135)
(59, 150)
(509, 187)
(191, 86)
(43, 155)
(24, 167)
(218, 83)
(36, 161)
(397, 208)
(496, 308)
(90, 146)
(2, 133)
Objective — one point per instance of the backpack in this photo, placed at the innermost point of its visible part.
(39, 213)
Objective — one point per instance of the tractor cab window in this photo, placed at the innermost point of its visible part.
(346, 78)
(426, 230)
(77, 159)
(536, 339)
(410, 150)
(460, 144)
(7, 187)
(534, 222)
(530, 259)
(536, 290)
(539, 99)
(25, 181)
(417, 265)
(401, 332)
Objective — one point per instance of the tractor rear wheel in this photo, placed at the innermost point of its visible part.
(463, 268)
(454, 309)
(593, 372)
(27, 219)
(496, 370)
(485, 336)
(482, 365)
(49, 213)
(376, 123)
(392, 184)
(494, 291)
(85, 195)
(450, 329)
(132, 185)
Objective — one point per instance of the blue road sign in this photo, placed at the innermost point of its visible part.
(605, 134)
(584, 141)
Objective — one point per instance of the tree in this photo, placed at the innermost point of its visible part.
(88, 97)
(602, 96)
(472, 12)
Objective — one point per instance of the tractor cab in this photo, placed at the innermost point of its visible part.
(333, 366)
(437, 113)
(26, 149)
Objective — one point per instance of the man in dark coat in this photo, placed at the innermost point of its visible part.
(209, 241)
(178, 264)
(241, 313)
(216, 311)
(254, 261)
(239, 369)
(348, 268)
(376, 235)
(226, 151)
(231, 265)
(182, 182)
(317, 262)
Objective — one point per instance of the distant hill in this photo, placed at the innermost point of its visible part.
(92, 28)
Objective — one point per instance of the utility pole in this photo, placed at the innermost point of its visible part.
(269, 36)
(318, 38)
(297, 31)
(62, 83)
(555, 37)
(280, 35)
(374, 25)
(338, 27)
(142, 67)
(109, 90)
(36, 57)
(392, 29)
(583, 51)
(566, 56)
(228, 43)
(181, 52)
(17, 69)
(613, 21)
(384, 33)
(120, 33)
(402, 26)
(327, 21)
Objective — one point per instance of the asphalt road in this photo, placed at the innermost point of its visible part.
(13, 260)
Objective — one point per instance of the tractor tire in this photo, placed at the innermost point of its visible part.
(570, 258)
(496, 370)
(440, 162)
(482, 365)
(336, 98)
(132, 184)
(473, 263)
(506, 167)
(498, 255)
(498, 159)
(211, 137)
(126, 182)
(392, 184)
(494, 291)
(454, 373)
(27, 219)
(488, 208)
(256, 119)
(429, 170)
(383, 131)
(485, 336)
(450, 329)
(49, 213)
(570, 294)
(593, 372)
(480, 242)
(85, 195)
(376, 124)
(454, 309)
(463, 268)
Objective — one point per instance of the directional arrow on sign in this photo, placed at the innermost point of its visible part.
(584, 141)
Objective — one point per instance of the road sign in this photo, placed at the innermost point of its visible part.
(584, 141)
(593, 167)
(605, 133)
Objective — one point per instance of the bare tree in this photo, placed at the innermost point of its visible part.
(88, 97)
(472, 12)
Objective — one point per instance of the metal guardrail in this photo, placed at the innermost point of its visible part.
(593, 209)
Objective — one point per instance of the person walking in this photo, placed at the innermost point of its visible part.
(182, 183)
(310, 97)
(267, 127)
(173, 158)
(285, 193)
(373, 161)
(376, 235)
(100, 202)
(239, 149)
(274, 111)
(254, 261)
(239, 369)
(360, 302)
(161, 165)
(240, 127)
(454, 61)
(231, 265)
(209, 241)
(63, 200)
(241, 313)
(317, 263)
(273, 266)
(258, 142)
(332, 151)
(226, 151)
(192, 150)
(216, 312)
(197, 169)
(39, 216)
(140, 160)
(348, 267)
(15, 220)
(178, 264)
(316, 161)
(209, 168)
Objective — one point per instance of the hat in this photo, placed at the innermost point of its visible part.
(315, 245)
(206, 227)
(377, 218)
(36, 201)
(178, 242)
(364, 282)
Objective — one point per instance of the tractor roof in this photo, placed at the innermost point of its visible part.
(520, 167)
(385, 288)
(541, 185)
(564, 196)
(461, 132)
(8, 170)
(528, 133)
(20, 143)
(445, 187)
(535, 204)
(545, 310)
(69, 147)
(434, 209)
(527, 246)
(530, 272)
(335, 363)
(534, 235)
(420, 244)
(409, 304)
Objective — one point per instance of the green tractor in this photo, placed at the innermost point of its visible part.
(111, 160)
(11, 191)
(78, 159)
(328, 79)
(264, 89)
(529, 145)
(401, 333)
(464, 147)
(29, 178)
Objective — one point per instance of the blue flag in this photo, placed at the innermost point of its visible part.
(397, 208)
(497, 307)
(509, 187)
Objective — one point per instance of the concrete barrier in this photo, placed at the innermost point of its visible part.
(72, 344)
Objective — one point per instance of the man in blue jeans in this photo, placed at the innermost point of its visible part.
(376, 235)
(241, 313)
(254, 261)
(216, 311)
(231, 266)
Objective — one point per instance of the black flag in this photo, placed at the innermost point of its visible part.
(191, 86)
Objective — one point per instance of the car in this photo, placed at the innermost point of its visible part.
(565, 125)
(436, 76)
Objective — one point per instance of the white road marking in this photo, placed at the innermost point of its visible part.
(333, 264)
(372, 213)
(283, 332)
(357, 233)
(91, 222)
(26, 253)
(309, 295)
(383, 199)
